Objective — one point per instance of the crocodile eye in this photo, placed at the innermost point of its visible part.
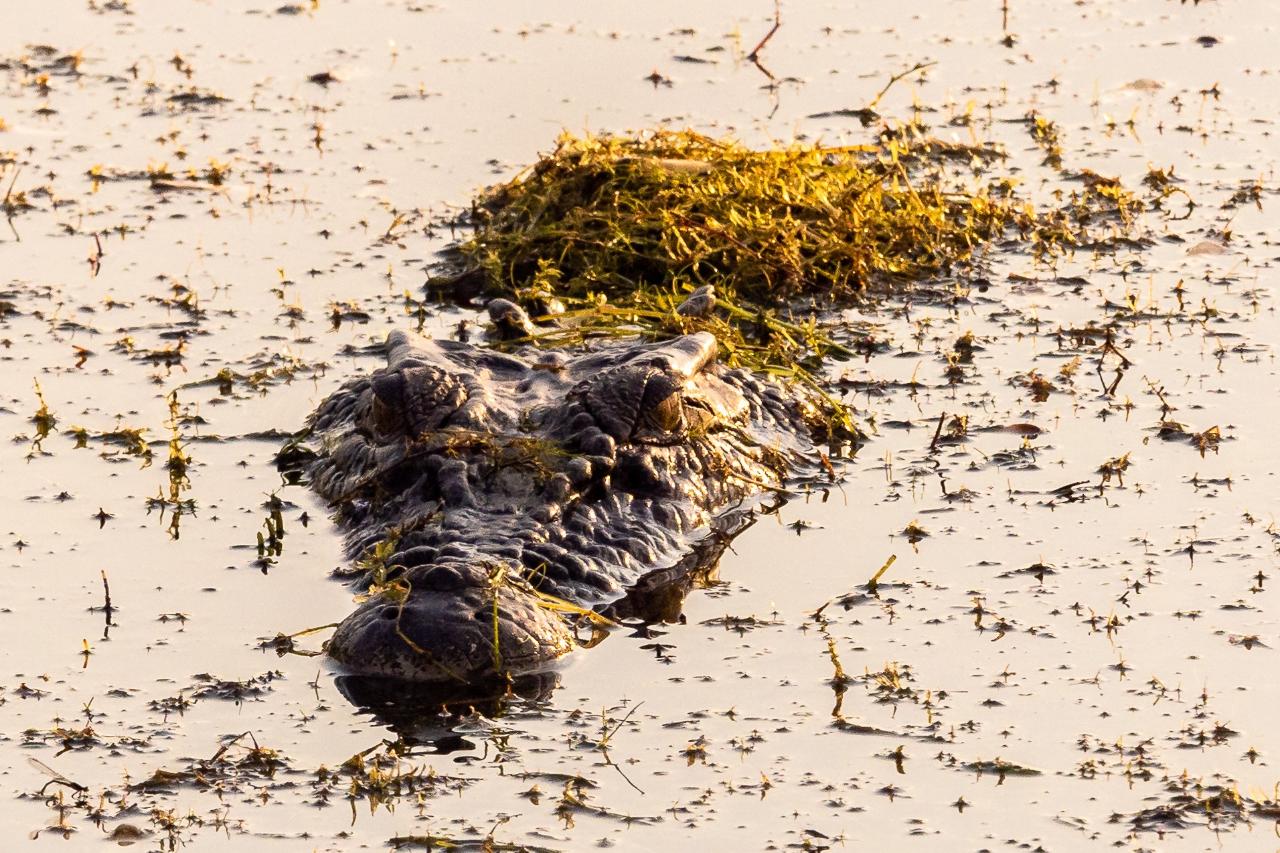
(637, 404)
(414, 400)
(386, 410)
(666, 415)
(385, 419)
(660, 417)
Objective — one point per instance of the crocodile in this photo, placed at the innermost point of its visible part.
(495, 500)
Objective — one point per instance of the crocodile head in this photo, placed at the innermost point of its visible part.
(490, 499)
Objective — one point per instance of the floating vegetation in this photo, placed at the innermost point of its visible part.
(195, 98)
(131, 440)
(43, 420)
(914, 532)
(166, 356)
(212, 687)
(673, 231)
(14, 201)
(1001, 769)
(614, 214)
(271, 536)
(161, 177)
(1114, 469)
(177, 465)
(1045, 133)
(1216, 807)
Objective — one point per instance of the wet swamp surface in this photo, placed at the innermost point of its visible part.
(214, 212)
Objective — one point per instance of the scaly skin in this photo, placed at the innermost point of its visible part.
(492, 478)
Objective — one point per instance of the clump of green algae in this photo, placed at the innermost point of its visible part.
(614, 215)
(620, 229)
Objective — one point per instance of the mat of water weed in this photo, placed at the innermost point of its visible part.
(620, 229)
(670, 210)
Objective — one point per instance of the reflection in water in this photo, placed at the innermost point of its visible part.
(426, 713)
(659, 596)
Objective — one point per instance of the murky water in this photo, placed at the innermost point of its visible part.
(267, 184)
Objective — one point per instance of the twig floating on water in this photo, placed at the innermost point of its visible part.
(754, 55)
(919, 66)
